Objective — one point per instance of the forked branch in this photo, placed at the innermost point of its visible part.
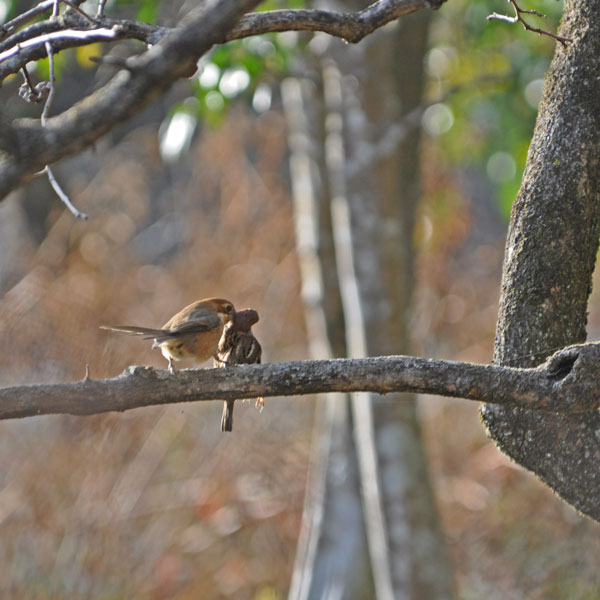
(518, 18)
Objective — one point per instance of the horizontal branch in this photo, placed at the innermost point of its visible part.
(566, 382)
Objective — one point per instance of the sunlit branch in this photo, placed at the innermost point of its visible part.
(568, 382)
(87, 37)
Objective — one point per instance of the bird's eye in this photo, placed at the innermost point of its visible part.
(228, 308)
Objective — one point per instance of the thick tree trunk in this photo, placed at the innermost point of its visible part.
(549, 259)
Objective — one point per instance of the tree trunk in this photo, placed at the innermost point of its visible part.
(332, 546)
(371, 178)
(549, 260)
(374, 185)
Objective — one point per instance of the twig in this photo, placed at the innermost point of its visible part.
(31, 93)
(519, 19)
(29, 83)
(80, 12)
(100, 12)
(52, 80)
(55, 185)
(28, 79)
(155, 70)
(61, 194)
(26, 16)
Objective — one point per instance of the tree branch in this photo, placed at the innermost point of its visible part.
(351, 26)
(173, 56)
(146, 76)
(567, 382)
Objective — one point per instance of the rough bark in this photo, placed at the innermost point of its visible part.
(549, 259)
(567, 382)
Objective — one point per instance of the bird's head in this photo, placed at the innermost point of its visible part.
(223, 308)
(243, 320)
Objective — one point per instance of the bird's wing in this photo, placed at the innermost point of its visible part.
(192, 320)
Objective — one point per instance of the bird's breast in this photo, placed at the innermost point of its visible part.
(198, 346)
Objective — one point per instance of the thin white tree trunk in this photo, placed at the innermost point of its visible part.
(331, 554)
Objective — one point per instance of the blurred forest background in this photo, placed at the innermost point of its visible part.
(191, 199)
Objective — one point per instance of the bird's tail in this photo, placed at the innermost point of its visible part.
(227, 416)
(147, 332)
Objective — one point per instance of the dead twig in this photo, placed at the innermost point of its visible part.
(48, 171)
(518, 18)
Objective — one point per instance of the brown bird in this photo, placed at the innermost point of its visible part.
(193, 332)
(238, 347)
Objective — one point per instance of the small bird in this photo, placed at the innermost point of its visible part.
(238, 346)
(193, 332)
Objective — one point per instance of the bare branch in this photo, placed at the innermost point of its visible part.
(567, 382)
(150, 74)
(80, 37)
(519, 19)
(173, 56)
(351, 26)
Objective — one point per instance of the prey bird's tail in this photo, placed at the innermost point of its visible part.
(227, 416)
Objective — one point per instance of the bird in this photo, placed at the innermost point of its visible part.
(194, 332)
(238, 346)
